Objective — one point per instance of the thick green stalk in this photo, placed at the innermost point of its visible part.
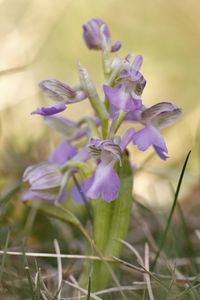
(107, 235)
(102, 220)
(102, 213)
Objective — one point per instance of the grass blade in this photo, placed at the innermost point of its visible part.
(4, 255)
(172, 211)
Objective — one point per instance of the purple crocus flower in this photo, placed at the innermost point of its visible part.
(129, 85)
(104, 181)
(97, 36)
(61, 93)
(153, 118)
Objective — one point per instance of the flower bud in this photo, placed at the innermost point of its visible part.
(92, 35)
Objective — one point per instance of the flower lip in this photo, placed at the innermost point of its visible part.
(150, 136)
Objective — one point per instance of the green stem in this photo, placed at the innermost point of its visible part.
(111, 225)
(102, 215)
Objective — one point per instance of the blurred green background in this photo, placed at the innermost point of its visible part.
(43, 39)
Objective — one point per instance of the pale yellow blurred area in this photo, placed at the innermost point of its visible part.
(42, 39)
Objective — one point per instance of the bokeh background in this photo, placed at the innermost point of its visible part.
(43, 39)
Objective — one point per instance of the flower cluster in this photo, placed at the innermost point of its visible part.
(123, 88)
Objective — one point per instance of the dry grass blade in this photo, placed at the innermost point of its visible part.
(57, 249)
(135, 286)
(78, 292)
(75, 285)
(4, 252)
(146, 276)
(53, 255)
(134, 251)
(141, 269)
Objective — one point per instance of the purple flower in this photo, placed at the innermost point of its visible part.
(61, 93)
(50, 110)
(69, 129)
(131, 76)
(65, 127)
(47, 180)
(121, 98)
(97, 36)
(63, 152)
(157, 116)
(104, 181)
(129, 85)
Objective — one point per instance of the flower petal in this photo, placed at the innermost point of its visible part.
(43, 195)
(161, 114)
(121, 99)
(57, 90)
(44, 175)
(105, 183)
(127, 138)
(148, 136)
(117, 45)
(79, 194)
(161, 152)
(92, 33)
(63, 152)
(50, 110)
(137, 63)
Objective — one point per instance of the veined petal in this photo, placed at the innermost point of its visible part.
(44, 175)
(50, 110)
(61, 92)
(105, 150)
(57, 90)
(161, 114)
